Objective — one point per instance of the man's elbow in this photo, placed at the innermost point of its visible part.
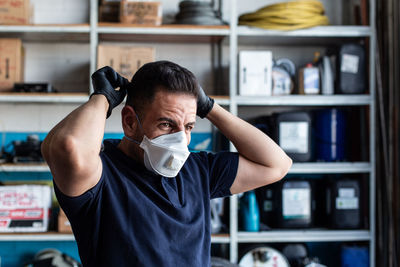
(283, 169)
(59, 149)
(288, 165)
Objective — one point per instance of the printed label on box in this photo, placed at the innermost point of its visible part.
(24, 208)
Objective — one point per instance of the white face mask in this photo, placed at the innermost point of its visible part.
(166, 154)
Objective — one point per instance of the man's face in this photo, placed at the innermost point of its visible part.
(169, 113)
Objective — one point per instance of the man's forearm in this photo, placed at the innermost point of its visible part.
(249, 141)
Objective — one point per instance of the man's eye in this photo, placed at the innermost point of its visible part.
(189, 128)
(165, 125)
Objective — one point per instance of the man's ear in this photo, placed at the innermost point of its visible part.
(129, 120)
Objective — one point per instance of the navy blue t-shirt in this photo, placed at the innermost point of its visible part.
(133, 217)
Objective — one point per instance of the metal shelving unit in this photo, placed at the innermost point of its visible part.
(49, 236)
(235, 36)
(305, 100)
(243, 35)
(24, 168)
(43, 98)
(297, 168)
(323, 235)
(47, 32)
(330, 167)
(319, 31)
(115, 28)
(45, 28)
(59, 237)
(72, 98)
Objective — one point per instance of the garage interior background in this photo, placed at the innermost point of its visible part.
(61, 49)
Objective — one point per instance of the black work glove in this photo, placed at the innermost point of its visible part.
(204, 103)
(105, 81)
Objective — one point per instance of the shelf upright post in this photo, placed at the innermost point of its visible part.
(93, 39)
(372, 130)
(216, 62)
(233, 201)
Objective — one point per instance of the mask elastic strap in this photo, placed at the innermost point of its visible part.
(132, 140)
(140, 124)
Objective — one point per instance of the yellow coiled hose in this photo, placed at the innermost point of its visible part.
(287, 16)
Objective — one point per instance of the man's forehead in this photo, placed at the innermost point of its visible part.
(162, 93)
(169, 105)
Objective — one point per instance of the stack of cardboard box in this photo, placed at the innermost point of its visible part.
(11, 63)
(147, 13)
(64, 226)
(125, 59)
(15, 12)
(139, 12)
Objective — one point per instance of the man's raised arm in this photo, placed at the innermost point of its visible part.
(261, 160)
(72, 147)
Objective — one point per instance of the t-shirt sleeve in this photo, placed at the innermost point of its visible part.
(222, 170)
(79, 205)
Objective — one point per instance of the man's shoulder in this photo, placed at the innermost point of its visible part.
(208, 158)
(210, 155)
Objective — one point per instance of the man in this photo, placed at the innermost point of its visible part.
(145, 200)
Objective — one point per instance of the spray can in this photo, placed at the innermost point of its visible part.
(327, 81)
(249, 213)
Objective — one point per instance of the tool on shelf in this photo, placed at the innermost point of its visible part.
(198, 13)
(291, 15)
(283, 74)
(52, 258)
(249, 213)
(34, 88)
(263, 256)
(351, 69)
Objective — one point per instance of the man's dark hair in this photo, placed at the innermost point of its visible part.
(159, 75)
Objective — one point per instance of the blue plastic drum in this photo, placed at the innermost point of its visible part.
(330, 135)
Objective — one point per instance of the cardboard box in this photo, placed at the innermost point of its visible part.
(11, 63)
(64, 226)
(255, 73)
(24, 208)
(139, 12)
(126, 60)
(15, 12)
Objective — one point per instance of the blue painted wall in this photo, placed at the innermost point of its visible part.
(199, 141)
(17, 253)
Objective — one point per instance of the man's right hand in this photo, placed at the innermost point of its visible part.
(105, 81)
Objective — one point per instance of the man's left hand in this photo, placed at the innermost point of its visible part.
(204, 103)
